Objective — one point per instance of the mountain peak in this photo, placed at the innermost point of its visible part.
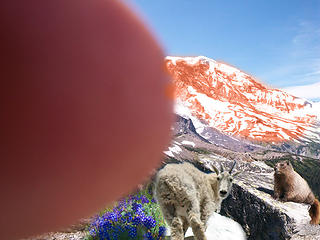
(218, 95)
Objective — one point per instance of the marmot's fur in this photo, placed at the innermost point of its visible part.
(290, 186)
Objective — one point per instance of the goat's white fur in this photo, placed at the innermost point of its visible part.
(188, 197)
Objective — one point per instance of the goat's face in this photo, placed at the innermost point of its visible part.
(224, 184)
(224, 180)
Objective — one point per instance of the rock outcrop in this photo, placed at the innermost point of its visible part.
(252, 206)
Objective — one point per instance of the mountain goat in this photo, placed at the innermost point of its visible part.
(188, 197)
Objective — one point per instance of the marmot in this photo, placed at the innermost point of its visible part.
(290, 186)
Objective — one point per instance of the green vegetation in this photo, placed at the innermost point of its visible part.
(197, 150)
(137, 216)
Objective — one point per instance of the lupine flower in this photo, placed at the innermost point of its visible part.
(144, 199)
(136, 221)
(133, 232)
(113, 216)
(149, 222)
(162, 231)
(136, 206)
(148, 236)
(129, 219)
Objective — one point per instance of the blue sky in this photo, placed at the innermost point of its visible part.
(276, 41)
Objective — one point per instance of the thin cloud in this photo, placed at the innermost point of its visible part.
(302, 63)
(307, 38)
(316, 73)
(314, 70)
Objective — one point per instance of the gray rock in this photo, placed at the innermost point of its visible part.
(60, 236)
(214, 136)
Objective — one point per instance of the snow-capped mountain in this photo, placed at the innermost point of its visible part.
(215, 95)
(316, 108)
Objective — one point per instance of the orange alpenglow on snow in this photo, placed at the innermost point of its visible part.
(223, 97)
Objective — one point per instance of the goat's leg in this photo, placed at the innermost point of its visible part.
(185, 225)
(206, 208)
(177, 229)
(175, 223)
(197, 225)
(168, 212)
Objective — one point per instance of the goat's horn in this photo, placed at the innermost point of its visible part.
(221, 168)
(234, 163)
(215, 169)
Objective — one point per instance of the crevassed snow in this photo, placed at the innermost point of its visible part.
(173, 149)
(168, 153)
(233, 118)
(211, 105)
(226, 68)
(188, 143)
(190, 60)
(182, 109)
(305, 91)
(316, 109)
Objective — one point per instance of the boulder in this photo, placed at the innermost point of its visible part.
(219, 227)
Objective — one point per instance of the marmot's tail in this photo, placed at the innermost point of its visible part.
(314, 212)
